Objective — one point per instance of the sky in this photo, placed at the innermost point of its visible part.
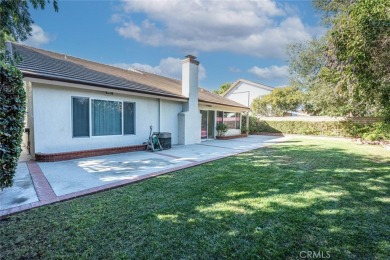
(232, 39)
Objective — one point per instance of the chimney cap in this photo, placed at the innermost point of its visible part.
(192, 59)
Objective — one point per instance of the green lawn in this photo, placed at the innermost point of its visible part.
(303, 195)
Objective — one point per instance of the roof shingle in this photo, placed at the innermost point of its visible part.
(37, 63)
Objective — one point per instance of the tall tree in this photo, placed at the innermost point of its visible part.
(15, 24)
(15, 18)
(278, 102)
(306, 62)
(358, 55)
(222, 89)
(347, 72)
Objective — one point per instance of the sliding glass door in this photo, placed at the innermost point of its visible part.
(210, 124)
(207, 127)
(203, 132)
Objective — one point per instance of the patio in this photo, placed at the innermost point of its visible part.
(42, 183)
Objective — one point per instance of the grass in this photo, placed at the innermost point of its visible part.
(304, 195)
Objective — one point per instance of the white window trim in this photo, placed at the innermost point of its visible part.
(90, 117)
(71, 116)
(134, 120)
(223, 116)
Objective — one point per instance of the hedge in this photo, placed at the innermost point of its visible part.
(379, 131)
(12, 110)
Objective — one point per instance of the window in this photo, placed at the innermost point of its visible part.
(128, 118)
(106, 117)
(80, 116)
(102, 117)
(232, 120)
(229, 119)
(219, 117)
(238, 121)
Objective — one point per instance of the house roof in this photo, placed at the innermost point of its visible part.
(42, 64)
(255, 84)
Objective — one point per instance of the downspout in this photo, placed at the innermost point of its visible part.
(159, 115)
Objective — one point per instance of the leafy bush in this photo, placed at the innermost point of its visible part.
(12, 110)
(379, 131)
(278, 102)
(244, 129)
(221, 129)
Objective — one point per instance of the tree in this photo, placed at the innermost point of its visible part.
(278, 102)
(358, 56)
(12, 109)
(347, 71)
(222, 89)
(15, 24)
(15, 19)
(306, 61)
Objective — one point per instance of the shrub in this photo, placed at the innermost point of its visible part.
(12, 110)
(379, 131)
(244, 129)
(221, 129)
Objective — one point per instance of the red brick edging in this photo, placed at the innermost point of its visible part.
(268, 133)
(54, 157)
(231, 137)
(175, 157)
(218, 146)
(41, 185)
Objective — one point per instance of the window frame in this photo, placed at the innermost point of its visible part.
(91, 120)
(107, 100)
(134, 117)
(239, 121)
(72, 117)
(223, 121)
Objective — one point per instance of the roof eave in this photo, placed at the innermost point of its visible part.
(28, 74)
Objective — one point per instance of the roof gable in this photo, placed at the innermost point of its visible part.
(254, 84)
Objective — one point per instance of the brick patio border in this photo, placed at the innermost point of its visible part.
(235, 149)
(43, 187)
(229, 137)
(55, 157)
(175, 157)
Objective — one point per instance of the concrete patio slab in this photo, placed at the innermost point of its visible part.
(245, 143)
(213, 149)
(22, 192)
(76, 175)
(57, 181)
(198, 152)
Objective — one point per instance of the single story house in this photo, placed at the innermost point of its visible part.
(244, 91)
(78, 108)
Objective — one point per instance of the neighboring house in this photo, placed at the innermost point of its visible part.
(244, 91)
(75, 106)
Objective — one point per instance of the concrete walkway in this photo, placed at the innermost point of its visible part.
(38, 184)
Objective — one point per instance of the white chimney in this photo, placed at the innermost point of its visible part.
(189, 119)
(190, 76)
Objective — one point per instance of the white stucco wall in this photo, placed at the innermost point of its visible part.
(53, 119)
(169, 118)
(231, 132)
(244, 93)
